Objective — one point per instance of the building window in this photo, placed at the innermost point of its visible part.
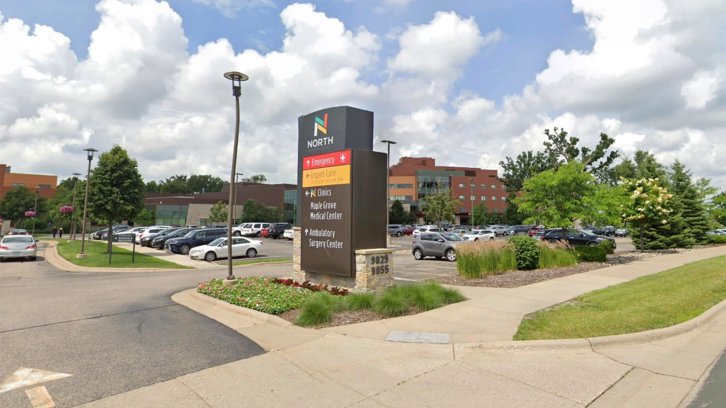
(496, 210)
(400, 198)
(400, 186)
(494, 186)
(18, 184)
(473, 198)
(472, 185)
(461, 197)
(461, 185)
(289, 206)
(483, 186)
(204, 222)
(494, 198)
(504, 198)
(483, 198)
(462, 209)
(43, 185)
(174, 215)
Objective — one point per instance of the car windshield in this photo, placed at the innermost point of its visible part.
(586, 232)
(190, 234)
(8, 240)
(452, 237)
(218, 241)
(167, 232)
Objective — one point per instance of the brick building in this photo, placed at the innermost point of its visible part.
(45, 184)
(413, 178)
(193, 209)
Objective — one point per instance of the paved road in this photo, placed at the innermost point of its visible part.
(113, 332)
(713, 393)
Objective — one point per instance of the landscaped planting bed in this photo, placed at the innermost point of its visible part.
(320, 306)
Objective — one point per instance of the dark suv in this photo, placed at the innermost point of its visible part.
(276, 230)
(576, 237)
(519, 230)
(438, 245)
(159, 240)
(194, 238)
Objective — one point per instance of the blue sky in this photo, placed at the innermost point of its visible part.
(531, 28)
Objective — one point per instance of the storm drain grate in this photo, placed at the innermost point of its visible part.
(418, 337)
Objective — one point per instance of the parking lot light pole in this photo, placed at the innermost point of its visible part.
(35, 210)
(388, 188)
(89, 152)
(73, 214)
(471, 213)
(236, 180)
(237, 78)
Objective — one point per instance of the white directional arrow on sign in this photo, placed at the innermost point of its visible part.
(307, 193)
(29, 376)
(306, 231)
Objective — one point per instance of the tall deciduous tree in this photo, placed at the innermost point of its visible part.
(153, 187)
(19, 200)
(559, 147)
(145, 218)
(440, 206)
(117, 189)
(479, 213)
(524, 167)
(198, 183)
(218, 212)
(556, 197)
(256, 179)
(175, 186)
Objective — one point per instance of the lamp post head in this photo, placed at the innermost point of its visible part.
(90, 152)
(237, 78)
(390, 142)
(75, 174)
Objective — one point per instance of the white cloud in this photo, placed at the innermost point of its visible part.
(230, 8)
(701, 89)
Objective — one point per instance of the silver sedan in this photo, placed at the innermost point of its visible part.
(18, 246)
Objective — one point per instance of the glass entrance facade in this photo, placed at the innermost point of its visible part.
(174, 215)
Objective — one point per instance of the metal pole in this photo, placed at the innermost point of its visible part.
(236, 79)
(234, 210)
(85, 208)
(35, 210)
(388, 188)
(471, 214)
(73, 214)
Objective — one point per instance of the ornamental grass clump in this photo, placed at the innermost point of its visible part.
(474, 259)
(556, 254)
(359, 301)
(316, 310)
(391, 303)
(420, 297)
(447, 295)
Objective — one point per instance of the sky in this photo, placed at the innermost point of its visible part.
(468, 82)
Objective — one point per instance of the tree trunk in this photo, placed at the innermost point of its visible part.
(564, 234)
(110, 236)
(642, 227)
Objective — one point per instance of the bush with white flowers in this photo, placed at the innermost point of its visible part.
(648, 203)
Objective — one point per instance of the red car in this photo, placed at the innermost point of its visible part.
(408, 230)
(265, 232)
(533, 231)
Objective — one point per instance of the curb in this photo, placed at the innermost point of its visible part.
(52, 256)
(259, 317)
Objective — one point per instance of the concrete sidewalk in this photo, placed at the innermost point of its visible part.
(323, 368)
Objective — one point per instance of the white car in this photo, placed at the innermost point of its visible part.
(426, 228)
(289, 234)
(18, 246)
(148, 232)
(218, 249)
(251, 229)
(477, 235)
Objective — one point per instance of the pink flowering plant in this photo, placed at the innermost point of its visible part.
(647, 203)
(261, 294)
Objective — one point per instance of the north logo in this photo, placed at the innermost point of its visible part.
(321, 125)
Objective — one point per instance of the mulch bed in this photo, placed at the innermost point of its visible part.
(513, 279)
(344, 317)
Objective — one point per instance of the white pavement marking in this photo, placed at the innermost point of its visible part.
(39, 397)
(29, 376)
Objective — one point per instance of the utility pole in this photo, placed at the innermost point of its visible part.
(471, 213)
(35, 210)
(388, 188)
(234, 209)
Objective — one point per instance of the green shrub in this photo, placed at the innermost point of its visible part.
(359, 301)
(526, 252)
(315, 310)
(607, 245)
(717, 239)
(447, 295)
(591, 254)
(391, 303)
(421, 297)
(554, 258)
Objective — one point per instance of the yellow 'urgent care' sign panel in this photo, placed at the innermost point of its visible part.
(327, 176)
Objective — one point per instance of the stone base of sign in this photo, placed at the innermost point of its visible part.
(374, 269)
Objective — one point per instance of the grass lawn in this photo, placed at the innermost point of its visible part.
(98, 257)
(651, 302)
(261, 260)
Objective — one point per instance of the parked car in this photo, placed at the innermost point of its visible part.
(541, 232)
(595, 230)
(437, 245)
(395, 229)
(18, 246)
(409, 229)
(149, 234)
(426, 228)
(277, 229)
(218, 249)
(518, 229)
(132, 231)
(193, 239)
(116, 230)
(477, 235)
(499, 230)
(289, 234)
(577, 237)
(159, 240)
(18, 231)
(98, 234)
(621, 232)
(609, 231)
(459, 231)
(252, 229)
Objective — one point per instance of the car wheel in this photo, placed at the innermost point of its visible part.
(491, 238)
(418, 254)
(398, 234)
(476, 239)
(184, 249)
(33, 258)
(592, 244)
(210, 256)
(251, 253)
(237, 234)
(451, 255)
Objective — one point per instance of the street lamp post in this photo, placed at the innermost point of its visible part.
(89, 152)
(234, 210)
(237, 78)
(35, 210)
(388, 187)
(471, 213)
(73, 214)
